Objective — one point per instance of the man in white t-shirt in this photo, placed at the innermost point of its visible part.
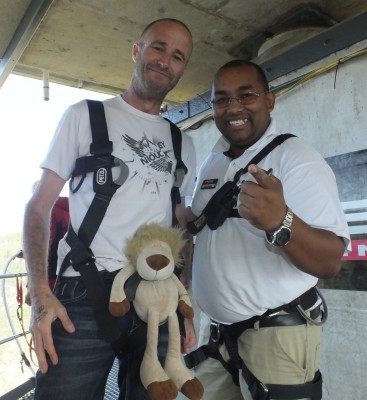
(74, 360)
(251, 272)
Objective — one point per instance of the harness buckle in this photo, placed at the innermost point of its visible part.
(124, 171)
(324, 315)
(274, 314)
(258, 390)
(264, 387)
(74, 189)
(80, 257)
(214, 331)
(179, 177)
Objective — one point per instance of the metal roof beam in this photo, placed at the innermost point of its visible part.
(332, 40)
(22, 36)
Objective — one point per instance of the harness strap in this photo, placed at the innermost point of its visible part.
(101, 163)
(311, 390)
(80, 255)
(306, 301)
(221, 204)
(278, 140)
(211, 350)
(233, 363)
(83, 261)
(180, 171)
(219, 334)
(101, 144)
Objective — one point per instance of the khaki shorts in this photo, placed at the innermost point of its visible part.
(278, 355)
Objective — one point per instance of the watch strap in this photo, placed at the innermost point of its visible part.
(282, 235)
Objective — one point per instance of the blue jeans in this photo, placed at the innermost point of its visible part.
(85, 358)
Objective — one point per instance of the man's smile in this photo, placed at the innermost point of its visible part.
(161, 72)
(238, 122)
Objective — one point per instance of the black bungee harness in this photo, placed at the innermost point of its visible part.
(100, 162)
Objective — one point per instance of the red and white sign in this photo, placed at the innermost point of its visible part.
(358, 252)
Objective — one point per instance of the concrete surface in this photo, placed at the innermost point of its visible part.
(88, 43)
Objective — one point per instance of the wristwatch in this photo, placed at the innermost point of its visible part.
(282, 236)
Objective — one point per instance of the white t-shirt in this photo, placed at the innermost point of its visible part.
(237, 274)
(143, 141)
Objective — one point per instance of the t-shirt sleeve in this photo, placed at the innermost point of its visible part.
(189, 159)
(68, 142)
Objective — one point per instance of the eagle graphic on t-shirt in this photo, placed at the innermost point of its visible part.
(151, 153)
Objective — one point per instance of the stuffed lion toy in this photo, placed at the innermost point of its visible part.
(153, 253)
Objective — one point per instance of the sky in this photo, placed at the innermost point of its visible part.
(27, 125)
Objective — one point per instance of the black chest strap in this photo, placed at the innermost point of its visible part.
(101, 162)
(80, 256)
(221, 204)
(180, 171)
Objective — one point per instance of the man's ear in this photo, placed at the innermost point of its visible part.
(135, 51)
(270, 99)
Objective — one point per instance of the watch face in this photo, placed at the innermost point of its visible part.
(283, 237)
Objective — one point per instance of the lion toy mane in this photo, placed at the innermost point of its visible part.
(153, 252)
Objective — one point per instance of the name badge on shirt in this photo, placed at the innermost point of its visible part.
(209, 184)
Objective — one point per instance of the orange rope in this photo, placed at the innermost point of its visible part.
(20, 315)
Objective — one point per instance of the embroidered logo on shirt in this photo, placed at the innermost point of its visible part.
(209, 184)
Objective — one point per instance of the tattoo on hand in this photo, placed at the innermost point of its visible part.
(40, 313)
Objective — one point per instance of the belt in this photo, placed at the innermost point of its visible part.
(265, 321)
(292, 319)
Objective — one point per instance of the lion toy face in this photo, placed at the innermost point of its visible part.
(155, 247)
(155, 262)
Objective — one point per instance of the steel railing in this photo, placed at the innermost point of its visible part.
(25, 388)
